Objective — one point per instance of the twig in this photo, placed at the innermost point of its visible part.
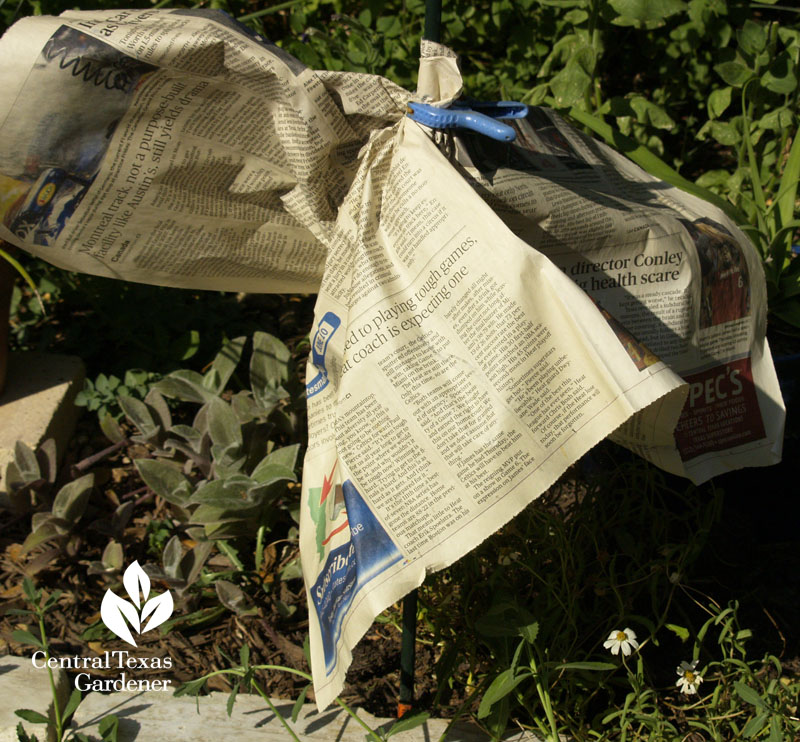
(83, 465)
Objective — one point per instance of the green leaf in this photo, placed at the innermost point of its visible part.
(232, 698)
(787, 194)
(570, 84)
(592, 666)
(223, 365)
(111, 428)
(193, 561)
(25, 637)
(136, 411)
(72, 704)
(227, 494)
(70, 502)
(409, 721)
(34, 717)
(109, 728)
(165, 480)
(777, 120)
(755, 724)
(298, 704)
(501, 686)
(171, 558)
(187, 345)
(734, 73)
(224, 427)
(718, 102)
(31, 592)
(725, 133)
(647, 10)
(752, 37)
(267, 473)
(269, 367)
(775, 729)
(389, 26)
(190, 688)
(186, 385)
(529, 632)
(649, 113)
(781, 76)
(681, 632)
(747, 694)
(234, 598)
(497, 721)
(26, 462)
(23, 736)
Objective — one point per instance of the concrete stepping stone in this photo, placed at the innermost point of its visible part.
(38, 402)
(23, 686)
(153, 715)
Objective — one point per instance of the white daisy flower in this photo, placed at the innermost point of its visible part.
(689, 680)
(624, 640)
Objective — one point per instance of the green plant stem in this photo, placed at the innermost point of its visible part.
(229, 552)
(18, 267)
(56, 707)
(370, 734)
(259, 555)
(275, 711)
(270, 10)
(544, 697)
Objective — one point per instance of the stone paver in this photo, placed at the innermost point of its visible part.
(159, 716)
(23, 686)
(153, 715)
(38, 402)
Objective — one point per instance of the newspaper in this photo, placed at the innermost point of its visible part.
(487, 313)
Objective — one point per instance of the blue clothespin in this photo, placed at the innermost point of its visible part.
(473, 115)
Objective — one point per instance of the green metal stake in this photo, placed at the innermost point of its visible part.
(433, 20)
(408, 654)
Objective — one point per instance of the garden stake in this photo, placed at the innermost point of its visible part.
(408, 654)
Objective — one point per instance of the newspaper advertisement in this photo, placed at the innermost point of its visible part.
(486, 313)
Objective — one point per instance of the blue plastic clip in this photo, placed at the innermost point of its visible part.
(474, 115)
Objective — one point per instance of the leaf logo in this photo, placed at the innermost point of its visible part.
(115, 611)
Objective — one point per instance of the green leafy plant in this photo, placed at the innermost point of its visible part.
(101, 395)
(29, 480)
(40, 604)
(223, 472)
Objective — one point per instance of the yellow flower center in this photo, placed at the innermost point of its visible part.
(689, 676)
(622, 636)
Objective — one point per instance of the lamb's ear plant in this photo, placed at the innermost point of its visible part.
(56, 725)
(29, 480)
(224, 472)
(60, 522)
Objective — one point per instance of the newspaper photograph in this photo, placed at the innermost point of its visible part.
(487, 312)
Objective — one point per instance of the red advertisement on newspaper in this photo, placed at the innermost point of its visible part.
(721, 411)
